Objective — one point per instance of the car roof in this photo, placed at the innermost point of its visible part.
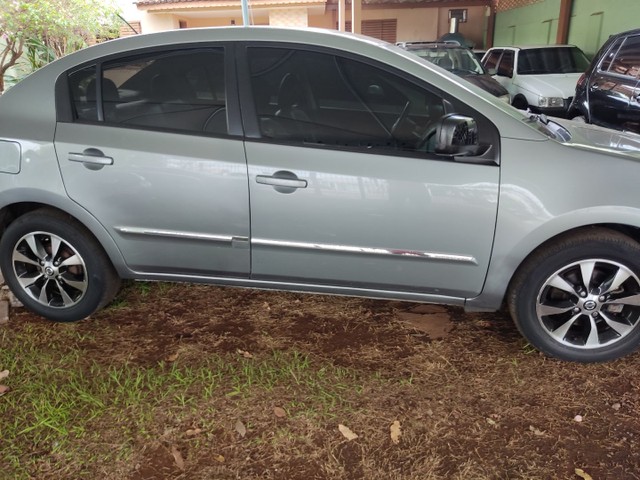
(38, 88)
(634, 31)
(530, 47)
(432, 45)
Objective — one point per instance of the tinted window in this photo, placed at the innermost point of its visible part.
(606, 61)
(627, 60)
(492, 59)
(506, 64)
(535, 61)
(83, 94)
(321, 99)
(175, 90)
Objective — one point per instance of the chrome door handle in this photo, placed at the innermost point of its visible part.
(91, 156)
(282, 178)
(281, 182)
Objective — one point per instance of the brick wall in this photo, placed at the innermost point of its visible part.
(504, 5)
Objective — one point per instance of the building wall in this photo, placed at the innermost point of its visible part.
(593, 21)
(530, 22)
(533, 24)
(413, 24)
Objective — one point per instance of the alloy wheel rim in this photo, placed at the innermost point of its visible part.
(589, 304)
(49, 270)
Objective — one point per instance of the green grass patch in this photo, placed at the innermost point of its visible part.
(65, 406)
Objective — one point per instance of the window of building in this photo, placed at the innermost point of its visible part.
(459, 14)
(382, 29)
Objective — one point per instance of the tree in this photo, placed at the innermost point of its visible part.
(62, 25)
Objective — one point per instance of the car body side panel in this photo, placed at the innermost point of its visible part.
(40, 182)
(536, 205)
(609, 98)
(377, 221)
(175, 203)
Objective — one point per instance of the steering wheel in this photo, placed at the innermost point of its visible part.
(427, 135)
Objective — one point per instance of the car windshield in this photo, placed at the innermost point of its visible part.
(536, 61)
(456, 60)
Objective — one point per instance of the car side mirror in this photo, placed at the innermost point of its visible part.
(457, 135)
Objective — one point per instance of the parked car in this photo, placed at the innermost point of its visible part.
(459, 60)
(608, 93)
(479, 53)
(541, 78)
(314, 161)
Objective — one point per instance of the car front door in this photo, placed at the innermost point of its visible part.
(345, 190)
(149, 151)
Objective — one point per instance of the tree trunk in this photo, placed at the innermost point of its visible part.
(9, 56)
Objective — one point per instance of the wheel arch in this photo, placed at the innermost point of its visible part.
(11, 211)
(520, 97)
(503, 270)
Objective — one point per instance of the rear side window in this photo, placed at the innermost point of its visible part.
(82, 84)
(627, 60)
(181, 91)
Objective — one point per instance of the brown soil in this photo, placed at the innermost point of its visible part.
(474, 401)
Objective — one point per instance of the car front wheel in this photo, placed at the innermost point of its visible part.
(55, 267)
(578, 299)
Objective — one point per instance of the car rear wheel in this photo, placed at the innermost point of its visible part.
(55, 267)
(578, 299)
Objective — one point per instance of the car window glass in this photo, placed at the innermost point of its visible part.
(175, 90)
(627, 61)
(457, 60)
(82, 84)
(505, 68)
(606, 61)
(537, 61)
(492, 59)
(322, 99)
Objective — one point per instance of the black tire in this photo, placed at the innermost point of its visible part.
(55, 267)
(520, 102)
(565, 317)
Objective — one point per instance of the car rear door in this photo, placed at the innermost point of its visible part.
(150, 148)
(344, 190)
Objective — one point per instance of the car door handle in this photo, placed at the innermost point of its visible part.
(91, 156)
(278, 179)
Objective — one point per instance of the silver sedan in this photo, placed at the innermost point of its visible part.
(320, 162)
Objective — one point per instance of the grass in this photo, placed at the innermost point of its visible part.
(199, 382)
(59, 401)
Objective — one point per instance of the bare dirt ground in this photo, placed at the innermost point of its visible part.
(471, 399)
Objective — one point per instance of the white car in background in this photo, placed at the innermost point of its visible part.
(542, 78)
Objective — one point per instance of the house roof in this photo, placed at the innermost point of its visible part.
(328, 2)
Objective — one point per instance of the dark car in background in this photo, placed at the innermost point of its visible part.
(458, 60)
(608, 93)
